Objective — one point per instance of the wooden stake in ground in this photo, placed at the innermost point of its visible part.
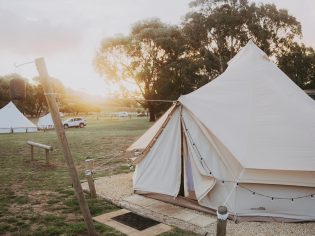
(51, 100)
(90, 180)
(222, 215)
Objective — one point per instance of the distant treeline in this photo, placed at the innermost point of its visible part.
(69, 101)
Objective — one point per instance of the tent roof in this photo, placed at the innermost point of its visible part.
(11, 117)
(258, 113)
(45, 120)
(146, 138)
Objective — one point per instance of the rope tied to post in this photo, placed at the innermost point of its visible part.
(222, 216)
(88, 172)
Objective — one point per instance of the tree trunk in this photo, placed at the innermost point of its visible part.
(152, 112)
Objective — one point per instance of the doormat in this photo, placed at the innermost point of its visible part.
(135, 221)
(145, 230)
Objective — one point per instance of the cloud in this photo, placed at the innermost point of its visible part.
(67, 32)
(48, 27)
(32, 35)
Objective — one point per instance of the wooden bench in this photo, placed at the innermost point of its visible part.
(39, 145)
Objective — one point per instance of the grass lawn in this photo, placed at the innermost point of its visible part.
(37, 199)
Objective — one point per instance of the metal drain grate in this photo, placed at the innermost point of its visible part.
(135, 221)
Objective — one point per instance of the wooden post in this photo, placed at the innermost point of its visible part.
(90, 180)
(51, 100)
(222, 215)
(32, 153)
(47, 156)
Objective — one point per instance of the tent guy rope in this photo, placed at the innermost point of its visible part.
(237, 183)
(22, 64)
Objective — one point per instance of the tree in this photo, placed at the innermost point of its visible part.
(299, 64)
(35, 103)
(166, 61)
(217, 29)
(147, 56)
(77, 107)
(5, 90)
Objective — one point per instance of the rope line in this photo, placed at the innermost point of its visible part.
(152, 100)
(22, 64)
(237, 184)
(208, 170)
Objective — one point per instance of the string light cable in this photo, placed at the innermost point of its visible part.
(201, 159)
(237, 183)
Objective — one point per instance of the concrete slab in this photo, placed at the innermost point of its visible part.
(117, 189)
(202, 221)
(186, 215)
(140, 200)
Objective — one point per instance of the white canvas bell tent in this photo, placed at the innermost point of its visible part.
(45, 122)
(13, 121)
(245, 140)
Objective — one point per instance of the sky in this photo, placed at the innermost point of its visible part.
(67, 33)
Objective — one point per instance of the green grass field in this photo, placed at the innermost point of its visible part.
(37, 199)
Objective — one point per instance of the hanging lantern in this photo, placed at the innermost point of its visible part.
(18, 89)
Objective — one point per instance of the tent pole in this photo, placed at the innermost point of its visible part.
(53, 107)
(181, 188)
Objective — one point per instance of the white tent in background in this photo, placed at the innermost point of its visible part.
(13, 121)
(45, 122)
(245, 140)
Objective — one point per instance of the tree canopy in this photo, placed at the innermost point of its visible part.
(35, 104)
(299, 64)
(166, 61)
(153, 56)
(217, 29)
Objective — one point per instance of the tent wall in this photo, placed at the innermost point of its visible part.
(280, 177)
(24, 130)
(249, 204)
(45, 122)
(199, 146)
(160, 171)
(145, 139)
(240, 201)
(5, 130)
(18, 130)
(209, 145)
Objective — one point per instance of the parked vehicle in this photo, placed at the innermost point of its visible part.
(74, 122)
(141, 114)
(122, 114)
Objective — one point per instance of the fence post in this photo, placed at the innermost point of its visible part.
(32, 153)
(47, 156)
(222, 215)
(90, 180)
